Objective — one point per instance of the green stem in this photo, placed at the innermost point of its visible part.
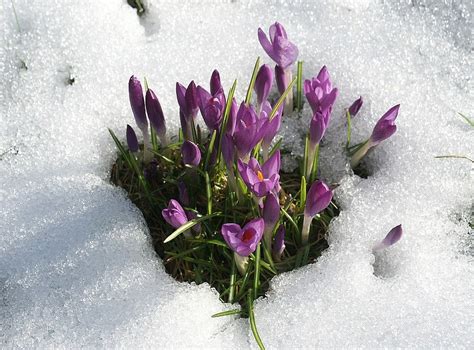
(299, 86)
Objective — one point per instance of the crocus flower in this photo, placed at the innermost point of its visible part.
(215, 83)
(284, 53)
(278, 243)
(135, 93)
(212, 107)
(263, 84)
(279, 48)
(384, 128)
(317, 128)
(191, 153)
(174, 214)
(155, 114)
(249, 130)
(137, 103)
(183, 193)
(319, 92)
(355, 107)
(132, 141)
(271, 126)
(271, 214)
(243, 241)
(390, 239)
(318, 198)
(261, 180)
(188, 107)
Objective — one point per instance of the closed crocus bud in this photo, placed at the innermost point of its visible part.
(384, 128)
(137, 103)
(212, 108)
(355, 107)
(188, 107)
(249, 130)
(279, 48)
(156, 116)
(215, 83)
(271, 214)
(191, 153)
(243, 241)
(318, 198)
(317, 128)
(278, 243)
(132, 141)
(174, 214)
(183, 193)
(390, 239)
(263, 84)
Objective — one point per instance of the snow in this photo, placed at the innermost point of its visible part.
(76, 266)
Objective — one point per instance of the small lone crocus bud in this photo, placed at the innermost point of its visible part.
(384, 128)
(174, 214)
(271, 214)
(278, 243)
(135, 93)
(191, 153)
(156, 116)
(243, 241)
(263, 84)
(132, 141)
(355, 107)
(390, 239)
(318, 198)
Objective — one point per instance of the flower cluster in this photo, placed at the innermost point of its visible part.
(223, 189)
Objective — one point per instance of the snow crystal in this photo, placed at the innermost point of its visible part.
(76, 266)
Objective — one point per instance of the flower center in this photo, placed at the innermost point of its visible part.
(248, 235)
(259, 175)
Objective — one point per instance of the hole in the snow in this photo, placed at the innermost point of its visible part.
(187, 259)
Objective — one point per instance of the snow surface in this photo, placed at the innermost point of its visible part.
(76, 266)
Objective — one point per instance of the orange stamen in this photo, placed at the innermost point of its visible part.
(260, 175)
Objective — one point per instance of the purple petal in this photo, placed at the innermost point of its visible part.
(191, 153)
(391, 238)
(215, 83)
(272, 165)
(271, 211)
(137, 102)
(132, 141)
(174, 214)
(267, 46)
(155, 113)
(318, 198)
(279, 241)
(355, 107)
(263, 83)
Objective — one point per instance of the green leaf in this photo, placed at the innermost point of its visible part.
(253, 324)
(302, 192)
(468, 120)
(256, 280)
(210, 149)
(288, 216)
(208, 193)
(187, 226)
(281, 99)
(227, 313)
(299, 86)
(248, 97)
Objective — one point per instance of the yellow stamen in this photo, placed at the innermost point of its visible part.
(259, 175)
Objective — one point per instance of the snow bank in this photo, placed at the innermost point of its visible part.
(76, 266)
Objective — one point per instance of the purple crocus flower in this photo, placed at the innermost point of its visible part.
(318, 198)
(319, 92)
(174, 214)
(212, 107)
(271, 214)
(384, 128)
(317, 128)
(279, 243)
(279, 48)
(155, 114)
(135, 93)
(249, 131)
(243, 241)
(132, 140)
(261, 180)
(271, 126)
(188, 107)
(183, 193)
(390, 239)
(263, 84)
(355, 107)
(215, 83)
(191, 153)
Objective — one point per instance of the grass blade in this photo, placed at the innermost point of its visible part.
(303, 192)
(256, 281)
(210, 149)
(299, 86)
(253, 324)
(282, 99)
(187, 226)
(248, 97)
(227, 313)
(468, 120)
